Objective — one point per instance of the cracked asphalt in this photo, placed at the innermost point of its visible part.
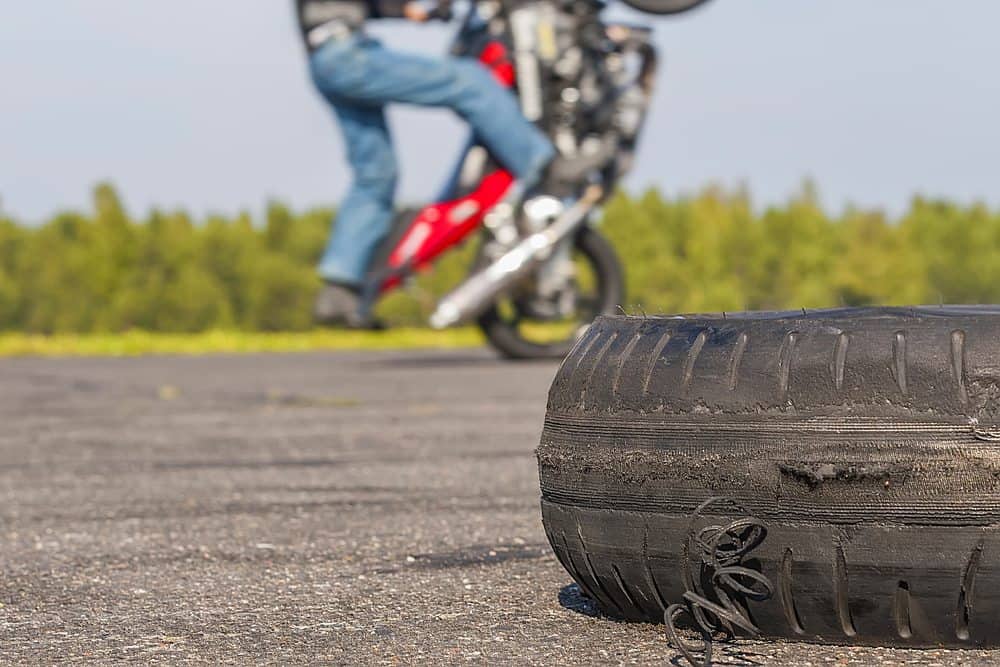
(308, 508)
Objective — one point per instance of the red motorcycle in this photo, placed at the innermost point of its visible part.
(542, 271)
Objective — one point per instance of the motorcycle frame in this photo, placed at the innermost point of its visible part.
(443, 225)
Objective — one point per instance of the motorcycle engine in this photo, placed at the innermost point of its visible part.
(586, 83)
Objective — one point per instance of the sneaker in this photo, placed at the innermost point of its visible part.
(566, 176)
(337, 305)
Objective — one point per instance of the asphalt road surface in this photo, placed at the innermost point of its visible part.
(314, 508)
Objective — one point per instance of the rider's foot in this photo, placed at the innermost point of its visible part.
(564, 176)
(337, 305)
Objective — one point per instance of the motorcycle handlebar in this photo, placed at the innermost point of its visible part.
(442, 10)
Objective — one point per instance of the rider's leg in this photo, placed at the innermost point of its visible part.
(365, 214)
(368, 73)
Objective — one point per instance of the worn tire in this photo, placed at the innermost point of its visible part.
(865, 439)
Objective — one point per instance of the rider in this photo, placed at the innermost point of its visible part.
(358, 77)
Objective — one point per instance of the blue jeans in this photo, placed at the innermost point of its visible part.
(359, 77)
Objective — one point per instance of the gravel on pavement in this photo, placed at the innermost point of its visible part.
(338, 508)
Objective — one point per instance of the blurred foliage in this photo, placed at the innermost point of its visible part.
(107, 272)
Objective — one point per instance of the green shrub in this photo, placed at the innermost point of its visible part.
(105, 272)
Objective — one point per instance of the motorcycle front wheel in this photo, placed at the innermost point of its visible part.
(663, 7)
(599, 284)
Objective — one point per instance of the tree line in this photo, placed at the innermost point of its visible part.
(105, 271)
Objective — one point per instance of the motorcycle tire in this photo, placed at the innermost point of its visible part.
(610, 278)
(864, 443)
(663, 7)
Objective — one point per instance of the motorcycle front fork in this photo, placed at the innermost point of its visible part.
(553, 280)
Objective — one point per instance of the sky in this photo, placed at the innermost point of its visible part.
(207, 106)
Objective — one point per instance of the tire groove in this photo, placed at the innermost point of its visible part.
(597, 362)
(958, 363)
(692, 358)
(899, 360)
(785, 361)
(624, 589)
(840, 359)
(736, 360)
(626, 354)
(649, 571)
(901, 610)
(786, 586)
(593, 573)
(653, 359)
(592, 335)
(574, 571)
(963, 615)
(841, 587)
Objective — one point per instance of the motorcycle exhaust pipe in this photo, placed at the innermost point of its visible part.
(474, 295)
